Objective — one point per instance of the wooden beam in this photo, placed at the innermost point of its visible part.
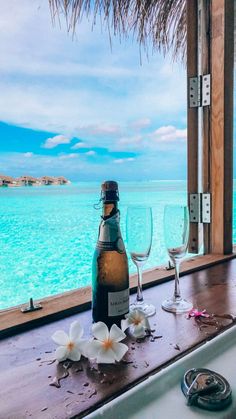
(221, 124)
(204, 68)
(192, 115)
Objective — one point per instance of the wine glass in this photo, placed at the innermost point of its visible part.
(139, 237)
(176, 234)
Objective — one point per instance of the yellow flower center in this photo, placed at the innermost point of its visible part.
(70, 346)
(137, 322)
(107, 344)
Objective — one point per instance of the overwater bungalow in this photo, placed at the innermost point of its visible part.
(47, 180)
(7, 181)
(28, 181)
(32, 181)
(61, 180)
(183, 366)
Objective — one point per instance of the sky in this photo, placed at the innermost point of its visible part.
(81, 108)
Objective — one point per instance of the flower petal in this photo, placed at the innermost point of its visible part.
(93, 348)
(146, 323)
(76, 331)
(129, 317)
(116, 333)
(138, 331)
(75, 354)
(61, 353)
(106, 356)
(120, 350)
(83, 346)
(60, 337)
(125, 324)
(137, 315)
(100, 331)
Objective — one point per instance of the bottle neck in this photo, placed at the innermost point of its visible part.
(109, 209)
(109, 236)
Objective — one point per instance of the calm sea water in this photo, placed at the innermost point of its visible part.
(48, 234)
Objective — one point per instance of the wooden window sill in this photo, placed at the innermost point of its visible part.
(58, 306)
(27, 367)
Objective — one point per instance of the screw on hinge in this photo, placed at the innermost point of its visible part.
(31, 307)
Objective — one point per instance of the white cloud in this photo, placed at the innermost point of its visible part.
(143, 167)
(133, 140)
(125, 160)
(65, 69)
(82, 89)
(90, 153)
(104, 129)
(61, 88)
(68, 156)
(140, 123)
(16, 164)
(55, 141)
(78, 146)
(68, 110)
(165, 137)
(169, 133)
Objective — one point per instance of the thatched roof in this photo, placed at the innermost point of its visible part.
(159, 23)
(61, 178)
(50, 178)
(7, 178)
(28, 178)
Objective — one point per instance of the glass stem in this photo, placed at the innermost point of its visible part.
(177, 289)
(139, 290)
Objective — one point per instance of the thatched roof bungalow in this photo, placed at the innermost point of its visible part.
(7, 180)
(61, 180)
(28, 180)
(47, 180)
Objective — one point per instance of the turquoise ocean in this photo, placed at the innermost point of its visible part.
(48, 234)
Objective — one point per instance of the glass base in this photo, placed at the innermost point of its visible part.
(177, 306)
(148, 309)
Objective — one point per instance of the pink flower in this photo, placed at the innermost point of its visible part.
(196, 313)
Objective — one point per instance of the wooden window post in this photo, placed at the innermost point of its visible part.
(210, 49)
(221, 124)
(192, 118)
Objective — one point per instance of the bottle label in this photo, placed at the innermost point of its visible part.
(110, 236)
(118, 303)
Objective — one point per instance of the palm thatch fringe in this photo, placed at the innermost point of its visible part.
(160, 24)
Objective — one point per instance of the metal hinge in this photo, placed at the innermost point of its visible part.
(200, 208)
(199, 91)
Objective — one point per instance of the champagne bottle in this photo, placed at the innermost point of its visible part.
(110, 281)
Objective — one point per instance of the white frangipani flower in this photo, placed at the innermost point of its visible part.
(71, 346)
(138, 323)
(106, 348)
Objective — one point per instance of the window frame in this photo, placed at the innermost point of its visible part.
(62, 305)
(210, 35)
(216, 169)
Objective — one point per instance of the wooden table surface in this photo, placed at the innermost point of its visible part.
(27, 360)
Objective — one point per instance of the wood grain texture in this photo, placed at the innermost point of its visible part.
(26, 359)
(204, 66)
(228, 125)
(221, 125)
(59, 306)
(192, 115)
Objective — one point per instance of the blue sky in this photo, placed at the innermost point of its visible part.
(76, 107)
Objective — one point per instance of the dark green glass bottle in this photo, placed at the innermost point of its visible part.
(110, 280)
